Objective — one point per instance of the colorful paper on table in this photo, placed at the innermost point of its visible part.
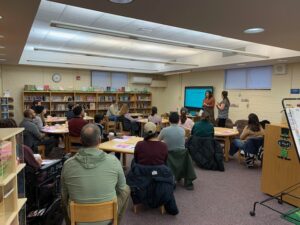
(125, 146)
(120, 140)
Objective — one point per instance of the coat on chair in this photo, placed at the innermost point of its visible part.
(206, 153)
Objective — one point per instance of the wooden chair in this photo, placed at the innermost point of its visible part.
(41, 150)
(97, 212)
(137, 207)
(110, 126)
(73, 140)
(187, 133)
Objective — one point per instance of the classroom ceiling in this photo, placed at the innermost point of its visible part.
(48, 45)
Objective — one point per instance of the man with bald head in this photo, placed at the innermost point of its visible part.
(93, 176)
(32, 135)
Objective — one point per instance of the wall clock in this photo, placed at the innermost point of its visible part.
(56, 77)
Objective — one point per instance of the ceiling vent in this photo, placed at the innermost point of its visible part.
(280, 69)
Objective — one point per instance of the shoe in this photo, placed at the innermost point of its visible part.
(189, 187)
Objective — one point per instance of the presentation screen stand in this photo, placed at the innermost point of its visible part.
(292, 113)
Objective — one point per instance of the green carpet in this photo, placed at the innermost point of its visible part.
(292, 216)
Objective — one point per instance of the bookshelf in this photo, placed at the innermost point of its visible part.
(6, 107)
(12, 190)
(93, 102)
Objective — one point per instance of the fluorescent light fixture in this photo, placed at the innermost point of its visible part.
(82, 64)
(1, 17)
(1, 46)
(121, 1)
(282, 60)
(177, 72)
(91, 54)
(2, 60)
(1, 36)
(95, 30)
(254, 30)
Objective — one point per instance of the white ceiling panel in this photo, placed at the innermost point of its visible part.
(68, 39)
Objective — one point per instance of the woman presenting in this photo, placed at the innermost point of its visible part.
(209, 105)
(223, 109)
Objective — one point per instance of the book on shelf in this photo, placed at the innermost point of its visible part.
(5, 158)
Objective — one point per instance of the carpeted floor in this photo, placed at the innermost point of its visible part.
(219, 198)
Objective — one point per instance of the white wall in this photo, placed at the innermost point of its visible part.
(15, 77)
(266, 103)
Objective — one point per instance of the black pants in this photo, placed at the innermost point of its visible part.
(221, 122)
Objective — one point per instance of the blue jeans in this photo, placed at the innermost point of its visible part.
(113, 118)
(236, 145)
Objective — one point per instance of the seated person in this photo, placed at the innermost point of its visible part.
(252, 130)
(34, 161)
(133, 126)
(70, 114)
(174, 135)
(185, 122)
(150, 151)
(100, 122)
(77, 122)
(203, 128)
(93, 166)
(113, 111)
(35, 103)
(39, 119)
(154, 118)
(32, 136)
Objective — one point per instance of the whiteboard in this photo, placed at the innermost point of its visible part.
(293, 117)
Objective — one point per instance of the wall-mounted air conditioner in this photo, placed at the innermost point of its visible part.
(141, 80)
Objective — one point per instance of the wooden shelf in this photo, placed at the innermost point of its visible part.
(12, 175)
(20, 167)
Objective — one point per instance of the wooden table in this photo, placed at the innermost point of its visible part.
(58, 129)
(50, 120)
(226, 134)
(123, 146)
(135, 114)
(88, 118)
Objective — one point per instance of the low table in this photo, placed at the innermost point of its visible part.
(124, 145)
(50, 120)
(58, 129)
(226, 134)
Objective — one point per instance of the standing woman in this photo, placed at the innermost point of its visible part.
(223, 109)
(209, 105)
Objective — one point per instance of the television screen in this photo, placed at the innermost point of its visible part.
(194, 96)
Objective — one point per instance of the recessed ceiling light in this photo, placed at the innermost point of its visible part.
(121, 1)
(2, 46)
(1, 17)
(254, 30)
(1, 36)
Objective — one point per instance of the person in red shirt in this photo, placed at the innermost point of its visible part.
(77, 122)
(150, 151)
(209, 105)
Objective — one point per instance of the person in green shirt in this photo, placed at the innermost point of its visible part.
(93, 176)
(203, 128)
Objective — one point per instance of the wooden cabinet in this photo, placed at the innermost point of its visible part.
(12, 199)
(278, 174)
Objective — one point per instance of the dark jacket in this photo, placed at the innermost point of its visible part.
(206, 152)
(181, 165)
(152, 186)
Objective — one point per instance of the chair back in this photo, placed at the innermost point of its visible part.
(110, 126)
(187, 133)
(97, 212)
(73, 140)
(240, 124)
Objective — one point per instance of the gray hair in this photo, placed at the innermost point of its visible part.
(90, 135)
